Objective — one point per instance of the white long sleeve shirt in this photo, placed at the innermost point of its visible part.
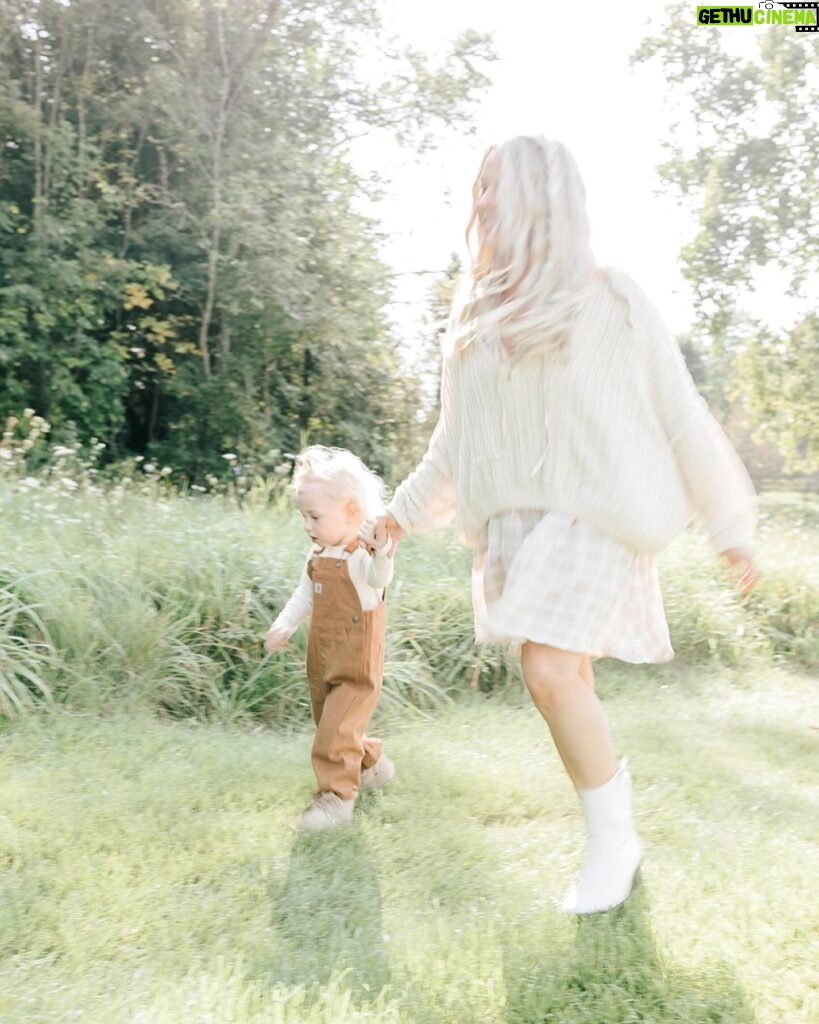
(611, 430)
(369, 574)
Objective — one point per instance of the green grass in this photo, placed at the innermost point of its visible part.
(150, 871)
(153, 764)
(112, 601)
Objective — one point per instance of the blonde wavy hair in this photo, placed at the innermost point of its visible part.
(532, 276)
(345, 476)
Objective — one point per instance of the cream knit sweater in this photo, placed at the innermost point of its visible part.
(611, 431)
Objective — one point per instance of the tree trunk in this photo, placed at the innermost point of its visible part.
(231, 89)
(37, 102)
(213, 247)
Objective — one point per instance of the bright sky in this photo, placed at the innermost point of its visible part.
(563, 72)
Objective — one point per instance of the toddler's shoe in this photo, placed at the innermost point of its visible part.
(327, 811)
(378, 774)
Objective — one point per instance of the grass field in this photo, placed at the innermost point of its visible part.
(151, 871)
(153, 766)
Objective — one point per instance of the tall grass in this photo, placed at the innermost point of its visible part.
(135, 596)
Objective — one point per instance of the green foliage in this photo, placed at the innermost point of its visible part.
(748, 178)
(777, 381)
(183, 267)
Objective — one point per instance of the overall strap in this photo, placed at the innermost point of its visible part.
(314, 553)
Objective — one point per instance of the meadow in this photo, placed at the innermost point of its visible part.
(153, 764)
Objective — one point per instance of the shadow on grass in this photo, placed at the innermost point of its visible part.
(615, 974)
(326, 915)
(468, 943)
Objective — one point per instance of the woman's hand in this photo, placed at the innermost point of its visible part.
(742, 566)
(375, 533)
(387, 526)
(276, 639)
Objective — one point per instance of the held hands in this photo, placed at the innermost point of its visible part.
(276, 639)
(374, 534)
(741, 563)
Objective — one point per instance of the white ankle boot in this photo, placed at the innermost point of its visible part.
(614, 851)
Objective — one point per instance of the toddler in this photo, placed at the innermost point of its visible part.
(342, 590)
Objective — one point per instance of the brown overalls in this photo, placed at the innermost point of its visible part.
(345, 667)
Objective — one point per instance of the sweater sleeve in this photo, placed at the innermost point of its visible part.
(717, 482)
(379, 567)
(426, 498)
(299, 606)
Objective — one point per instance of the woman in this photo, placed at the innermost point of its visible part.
(572, 446)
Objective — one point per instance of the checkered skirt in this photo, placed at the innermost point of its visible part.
(545, 577)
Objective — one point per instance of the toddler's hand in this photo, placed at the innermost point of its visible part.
(366, 535)
(742, 565)
(276, 639)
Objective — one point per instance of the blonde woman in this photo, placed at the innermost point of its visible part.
(572, 446)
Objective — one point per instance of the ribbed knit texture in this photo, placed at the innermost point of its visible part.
(611, 431)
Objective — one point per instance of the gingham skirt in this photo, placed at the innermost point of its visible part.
(544, 577)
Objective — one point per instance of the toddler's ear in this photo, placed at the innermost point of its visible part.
(352, 510)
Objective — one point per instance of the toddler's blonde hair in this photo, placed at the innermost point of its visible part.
(538, 272)
(344, 474)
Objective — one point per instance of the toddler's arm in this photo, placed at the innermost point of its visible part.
(291, 616)
(380, 564)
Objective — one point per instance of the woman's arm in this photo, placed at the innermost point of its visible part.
(717, 482)
(426, 498)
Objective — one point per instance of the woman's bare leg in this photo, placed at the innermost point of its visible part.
(565, 697)
(562, 687)
(587, 671)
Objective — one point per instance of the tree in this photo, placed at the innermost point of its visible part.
(179, 170)
(777, 381)
(72, 303)
(747, 175)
